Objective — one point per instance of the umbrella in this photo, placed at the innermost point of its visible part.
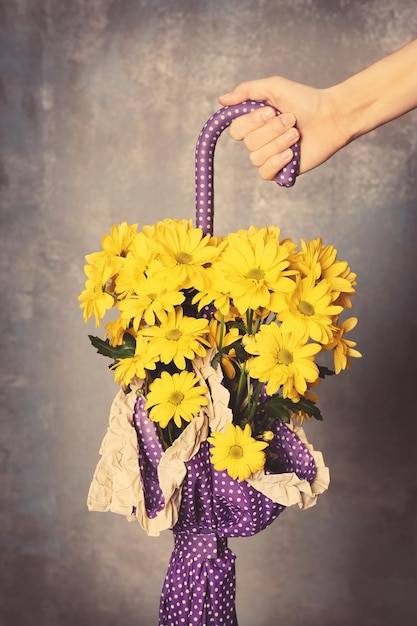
(177, 487)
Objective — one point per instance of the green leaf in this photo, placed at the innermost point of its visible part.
(282, 408)
(277, 408)
(127, 349)
(238, 324)
(310, 408)
(216, 360)
(241, 353)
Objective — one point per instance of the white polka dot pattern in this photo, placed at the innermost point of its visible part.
(199, 587)
(204, 157)
(150, 451)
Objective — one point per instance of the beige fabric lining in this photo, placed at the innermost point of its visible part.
(116, 484)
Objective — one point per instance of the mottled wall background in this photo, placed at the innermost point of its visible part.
(101, 104)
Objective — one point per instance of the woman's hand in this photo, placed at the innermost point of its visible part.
(308, 114)
(325, 120)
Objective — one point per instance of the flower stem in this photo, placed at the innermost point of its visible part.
(221, 333)
(253, 402)
(240, 387)
(249, 320)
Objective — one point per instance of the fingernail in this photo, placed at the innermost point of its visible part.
(286, 155)
(291, 134)
(267, 114)
(288, 119)
(226, 95)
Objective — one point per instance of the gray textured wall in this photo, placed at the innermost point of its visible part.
(101, 105)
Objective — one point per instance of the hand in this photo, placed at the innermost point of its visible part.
(308, 114)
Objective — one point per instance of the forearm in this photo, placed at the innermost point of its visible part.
(380, 93)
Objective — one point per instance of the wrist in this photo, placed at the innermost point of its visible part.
(377, 94)
(352, 110)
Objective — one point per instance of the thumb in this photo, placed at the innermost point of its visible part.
(251, 90)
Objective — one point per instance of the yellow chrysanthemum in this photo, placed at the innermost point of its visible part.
(217, 340)
(119, 240)
(177, 338)
(179, 397)
(95, 302)
(282, 359)
(211, 295)
(116, 330)
(274, 233)
(291, 247)
(156, 231)
(99, 262)
(308, 311)
(184, 253)
(344, 297)
(155, 298)
(96, 299)
(237, 452)
(251, 268)
(125, 370)
(321, 261)
(139, 260)
(343, 349)
(266, 232)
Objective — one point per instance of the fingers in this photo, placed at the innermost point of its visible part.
(264, 120)
(268, 138)
(270, 168)
(277, 128)
(244, 125)
(263, 144)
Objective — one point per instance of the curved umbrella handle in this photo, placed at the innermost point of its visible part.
(204, 157)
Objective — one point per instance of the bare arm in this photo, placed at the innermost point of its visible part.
(326, 119)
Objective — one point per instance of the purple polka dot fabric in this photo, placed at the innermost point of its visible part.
(199, 587)
(150, 453)
(204, 159)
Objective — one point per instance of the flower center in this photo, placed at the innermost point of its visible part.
(152, 296)
(256, 273)
(183, 258)
(284, 356)
(176, 397)
(236, 452)
(174, 334)
(306, 308)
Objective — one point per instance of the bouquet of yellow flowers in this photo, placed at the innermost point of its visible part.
(216, 343)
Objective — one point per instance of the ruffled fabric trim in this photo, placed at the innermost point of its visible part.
(288, 489)
(116, 484)
(172, 469)
(171, 474)
(218, 412)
